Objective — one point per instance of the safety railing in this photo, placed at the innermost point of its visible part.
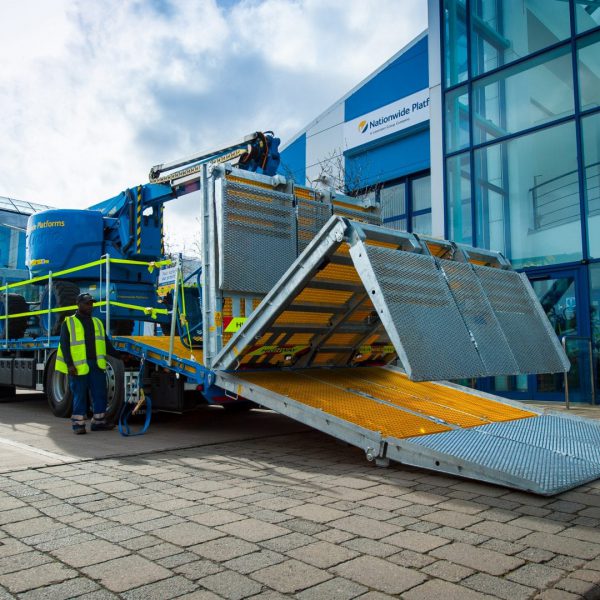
(564, 340)
(103, 302)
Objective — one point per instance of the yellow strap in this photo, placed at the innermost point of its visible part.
(151, 266)
(183, 315)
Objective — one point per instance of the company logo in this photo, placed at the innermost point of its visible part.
(363, 126)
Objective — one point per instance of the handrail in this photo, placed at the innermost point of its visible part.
(564, 339)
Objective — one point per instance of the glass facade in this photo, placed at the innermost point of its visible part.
(406, 204)
(521, 114)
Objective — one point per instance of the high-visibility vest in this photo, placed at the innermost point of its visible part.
(78, 354)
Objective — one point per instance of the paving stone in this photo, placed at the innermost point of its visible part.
(126, 573)
(437, 589)
(568, 563)
(176, 560)
(413, 560)
(536, 575)
(216, 517)
(379, 574)
(287, 542)
(562, 545)
(334, 589)
(458, 535)
(89, 553)
(503, 547)
(499, 587)
(231, 585)
(375, 596)
(449, 571)
(24, 560)
(252, 562)
(68, 540)
(31, 527)
(322, 554)
(537, 524)
(583, 589)
(304, 526)
(198, 569)
(452, 518)
(138, 516)
(139, 543)
(160, 551)
(414, 540)
(535, 555)
(291, 576)
(371, 547)
(10, 547)
(557, 595)
(425, 498)
(62, 591)
(335, 536)
(316, 512)
(162, 590)
(587, 534)
(254, 530)
(502, 531)
(587, 575)
(29, 579)
(365, 527)
(479, 559)
(187, 534)
(224, 548)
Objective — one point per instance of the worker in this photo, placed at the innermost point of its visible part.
(82, 354)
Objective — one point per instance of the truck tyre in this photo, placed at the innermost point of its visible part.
(13, 305)
(58, 393)
(64, 293)
(60, 399)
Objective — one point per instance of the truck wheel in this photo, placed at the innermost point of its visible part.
(56, 386)
(59, 394)
(64, 293)
(13, 305)
(115, 388)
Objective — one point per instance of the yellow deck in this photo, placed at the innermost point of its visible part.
(161, 342)
(335, 391)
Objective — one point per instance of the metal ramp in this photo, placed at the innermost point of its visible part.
(365, 294)
(437, 426)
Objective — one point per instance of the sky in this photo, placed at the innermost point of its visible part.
(94, 93)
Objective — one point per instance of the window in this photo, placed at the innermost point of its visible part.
(587, 14)
(457, 119)
(532, 93)
(458, 186)
(407, 205)
(505, 30)
(588, 66)
(527, 197)
(455, 41)
(393, 206)
(590, 127)
(421, 205)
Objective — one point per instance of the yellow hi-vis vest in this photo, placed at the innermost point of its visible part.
(77, 339)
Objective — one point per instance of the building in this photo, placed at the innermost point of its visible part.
(13, 225)
(514, 154)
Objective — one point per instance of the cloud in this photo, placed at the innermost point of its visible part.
(95, 93)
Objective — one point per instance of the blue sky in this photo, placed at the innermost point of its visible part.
(95, 93)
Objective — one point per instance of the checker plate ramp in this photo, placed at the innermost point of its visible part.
(360, 293)
(438, 426)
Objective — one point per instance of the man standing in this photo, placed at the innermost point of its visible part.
(82, 355)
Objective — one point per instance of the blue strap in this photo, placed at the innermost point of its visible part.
(126, 411)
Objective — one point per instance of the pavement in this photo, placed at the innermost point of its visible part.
(213, 506)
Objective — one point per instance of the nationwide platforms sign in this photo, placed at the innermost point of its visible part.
(389, 119)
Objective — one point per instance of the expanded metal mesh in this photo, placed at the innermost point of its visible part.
(259, 238)
(312, 216)
(479, 317)
(433, 334)
(534, 345)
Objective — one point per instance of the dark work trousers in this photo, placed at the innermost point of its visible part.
(95, 383)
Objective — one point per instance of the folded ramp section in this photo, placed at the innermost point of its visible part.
(437, 426)
(365, 294)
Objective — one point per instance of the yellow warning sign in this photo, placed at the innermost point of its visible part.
(275, 349)
(232, 324)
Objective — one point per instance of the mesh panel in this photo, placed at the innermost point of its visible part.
(259, 238)
(525, 327)
(432, 332)
(312, 216)
(479, 317)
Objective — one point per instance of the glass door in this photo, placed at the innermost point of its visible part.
(562, 296)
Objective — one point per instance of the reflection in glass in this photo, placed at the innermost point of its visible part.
(504, 30)
(458, 195)
(595, 318)
(455, 41)
(587, 14)
(527, 197)
(422, 223)
(590, 126)
(421, 193)
(393, 201)
(588, 65)
(532, 93)
(457, 119)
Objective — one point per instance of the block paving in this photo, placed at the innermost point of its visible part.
(285, 516)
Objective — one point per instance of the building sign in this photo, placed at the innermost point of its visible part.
(389, 119)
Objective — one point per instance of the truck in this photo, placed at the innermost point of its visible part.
(307, 305)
